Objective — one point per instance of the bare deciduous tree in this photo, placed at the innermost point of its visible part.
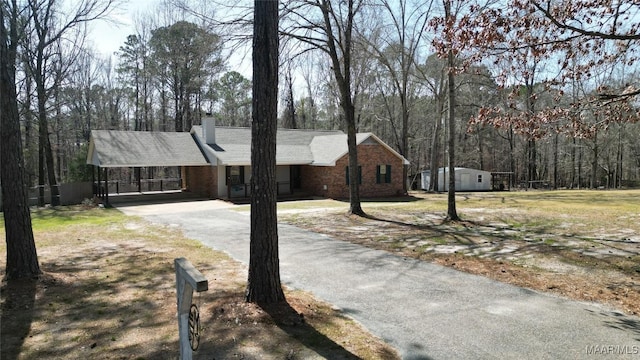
(49, 24)
(397, 50)
(329, 26)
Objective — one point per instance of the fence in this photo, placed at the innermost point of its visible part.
(119, 186)
(69, 193)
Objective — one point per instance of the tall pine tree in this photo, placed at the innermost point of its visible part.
(264, 265)
(22, 258)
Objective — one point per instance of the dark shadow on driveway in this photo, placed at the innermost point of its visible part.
(620, 321)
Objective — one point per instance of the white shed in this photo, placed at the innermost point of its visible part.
(466, 179)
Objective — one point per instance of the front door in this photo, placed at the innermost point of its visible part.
(296, 177)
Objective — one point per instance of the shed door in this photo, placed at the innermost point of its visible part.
(466, 182)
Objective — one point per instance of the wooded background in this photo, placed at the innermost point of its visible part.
(554, 116)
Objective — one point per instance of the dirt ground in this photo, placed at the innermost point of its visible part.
(108, 292)
(534, 249)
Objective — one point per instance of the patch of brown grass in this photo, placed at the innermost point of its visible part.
(581, 245)
(108, 292)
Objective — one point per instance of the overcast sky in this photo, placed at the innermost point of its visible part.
(107, 37)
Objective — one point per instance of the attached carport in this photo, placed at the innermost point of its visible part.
(138, 149)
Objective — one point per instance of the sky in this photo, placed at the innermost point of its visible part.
(108, 36)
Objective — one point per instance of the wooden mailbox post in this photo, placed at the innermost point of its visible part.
(188, 280)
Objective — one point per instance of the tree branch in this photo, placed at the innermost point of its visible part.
(595, 34)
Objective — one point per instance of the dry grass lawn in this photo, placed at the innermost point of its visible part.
(583, 245)
(108, 292)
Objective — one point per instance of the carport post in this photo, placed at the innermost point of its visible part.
(94, 188)
(99, 183)
(106, 186)
(138, 173)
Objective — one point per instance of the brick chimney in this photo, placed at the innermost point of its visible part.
(209, 129)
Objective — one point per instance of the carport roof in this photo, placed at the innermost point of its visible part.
(112, 148)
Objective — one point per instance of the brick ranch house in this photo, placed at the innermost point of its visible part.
(216, 161)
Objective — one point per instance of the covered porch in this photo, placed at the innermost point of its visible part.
(135, 152)
(232, 182)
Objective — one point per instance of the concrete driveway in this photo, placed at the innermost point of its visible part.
(424, 310)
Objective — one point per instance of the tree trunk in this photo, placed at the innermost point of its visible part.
(341, 66)
(264, 267)
(512, 159)
(22, 258)
(30, 152)
(435, 151)
(41, 170)
(289, 116)
(531, 161)
(45, 142)
(619, 158)
(452, 213)
(164, 104)
(480, 148)
(555, 161)
(136, 111)
(405, 132)
(46, 153)
(580, 153)
(354, 185)
(177, 121)
(594, 162)
(573, 164)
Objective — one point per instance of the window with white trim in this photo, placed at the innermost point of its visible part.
(383, 174)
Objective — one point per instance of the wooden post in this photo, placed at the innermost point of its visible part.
(188, 279)
(93, 180)
(99, 183)
(139, 175)
(106, 187)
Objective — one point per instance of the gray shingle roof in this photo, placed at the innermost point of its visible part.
(111, 148)
(233, 145)
(329, 148)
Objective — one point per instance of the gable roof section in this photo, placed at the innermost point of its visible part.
(112, 148)
(328, 149)
(233, 145)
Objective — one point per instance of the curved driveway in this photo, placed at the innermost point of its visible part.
(424, 310)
